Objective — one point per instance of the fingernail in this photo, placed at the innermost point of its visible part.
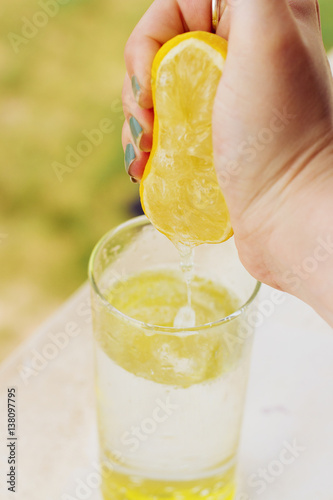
(136, 130)
(134, 180)
(136, 87)
(129, 156)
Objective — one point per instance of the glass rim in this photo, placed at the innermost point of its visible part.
(142, 220)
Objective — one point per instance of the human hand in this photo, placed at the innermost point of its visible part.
(162, 21)
(272, 129)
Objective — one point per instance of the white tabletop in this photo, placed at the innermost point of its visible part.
(287, 443)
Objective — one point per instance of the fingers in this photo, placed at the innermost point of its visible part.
(162, 21)
(274, 62)
(253, 22)
(137, 133)
(261, 17)
(135, 160)
(264, 38)
(251, 19)
(268, 37)
(140, 120)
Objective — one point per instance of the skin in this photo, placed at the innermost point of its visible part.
(272, 133)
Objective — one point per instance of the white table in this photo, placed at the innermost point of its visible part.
(290, 402)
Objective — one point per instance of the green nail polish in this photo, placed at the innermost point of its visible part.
(135, 87)
(129, 156)
(136, 130)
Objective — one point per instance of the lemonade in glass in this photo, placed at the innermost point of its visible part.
(170, 398)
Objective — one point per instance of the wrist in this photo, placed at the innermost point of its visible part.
(308, 269)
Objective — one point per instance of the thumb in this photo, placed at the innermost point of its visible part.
(259, 76)
(251, 20)
(263, 41)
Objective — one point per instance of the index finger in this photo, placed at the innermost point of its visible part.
(163, 20)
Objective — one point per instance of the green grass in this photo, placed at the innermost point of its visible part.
(63, 80)
(326, 11)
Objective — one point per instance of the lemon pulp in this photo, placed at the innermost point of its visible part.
(179, 189)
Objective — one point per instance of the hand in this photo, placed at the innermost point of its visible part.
(272, 132)
(163, 20)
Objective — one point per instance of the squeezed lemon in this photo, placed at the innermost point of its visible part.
(179, 191)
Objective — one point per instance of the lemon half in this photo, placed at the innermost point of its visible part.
(179, 189)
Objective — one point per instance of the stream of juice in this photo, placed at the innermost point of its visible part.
(185, 317)
(169, 424)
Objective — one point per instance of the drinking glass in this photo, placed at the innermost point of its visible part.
(169, 399)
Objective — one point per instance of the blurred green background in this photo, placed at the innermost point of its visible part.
(57, 80)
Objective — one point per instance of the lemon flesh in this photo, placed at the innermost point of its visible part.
(179, 190)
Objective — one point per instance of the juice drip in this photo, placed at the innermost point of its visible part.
(185, 317)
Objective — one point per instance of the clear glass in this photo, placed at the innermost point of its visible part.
(170, 400)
